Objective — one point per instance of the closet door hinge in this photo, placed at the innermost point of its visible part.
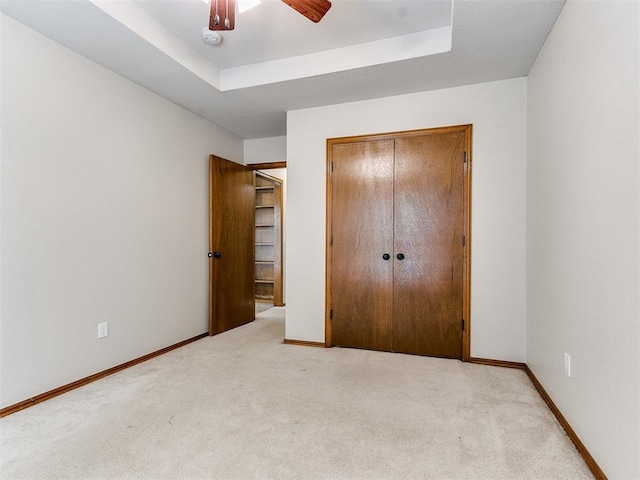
(465, 157)
(462, 322)
(331, 240)
(331, 314)
(332, 166)
(464, 240)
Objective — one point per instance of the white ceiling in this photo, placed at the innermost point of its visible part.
(276, 60)
(260, 36)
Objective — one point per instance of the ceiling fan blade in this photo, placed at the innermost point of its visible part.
(314, 10)
(222, 15)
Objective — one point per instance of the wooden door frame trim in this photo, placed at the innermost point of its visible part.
(466, 289)
(267, 166)
(467, 129)
(210, 293)
(327, 248)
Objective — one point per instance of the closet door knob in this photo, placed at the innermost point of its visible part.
(217, 254)
(386, 256)
(400, 256)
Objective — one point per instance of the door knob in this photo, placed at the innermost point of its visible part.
(217, 254)
(400, 256)
(386, 256)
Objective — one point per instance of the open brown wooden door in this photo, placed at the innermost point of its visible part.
(231, 244)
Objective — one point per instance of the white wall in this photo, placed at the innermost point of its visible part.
(582, 223)
(104, 204)
(498, 113)
(265, 150)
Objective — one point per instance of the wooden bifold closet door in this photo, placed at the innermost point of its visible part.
(397, 264)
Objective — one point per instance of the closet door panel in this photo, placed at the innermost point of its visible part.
(428, 230)
(362, 230)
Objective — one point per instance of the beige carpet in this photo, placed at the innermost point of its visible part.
(263, 306)
(243, 405)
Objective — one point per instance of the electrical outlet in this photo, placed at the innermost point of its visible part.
(567, 364)
(103, 329)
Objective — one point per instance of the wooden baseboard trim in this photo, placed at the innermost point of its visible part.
(497, 363)
(16, 407)
(304, 343)
(582, 450)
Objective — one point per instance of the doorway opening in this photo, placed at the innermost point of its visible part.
(269, 251)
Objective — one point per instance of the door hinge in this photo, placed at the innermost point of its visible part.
(465, 157)
(462, 322)
(331, 314)
(332, 166)
(464, 241)
(331, 240)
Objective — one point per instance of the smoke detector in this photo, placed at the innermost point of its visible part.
(211, 37)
